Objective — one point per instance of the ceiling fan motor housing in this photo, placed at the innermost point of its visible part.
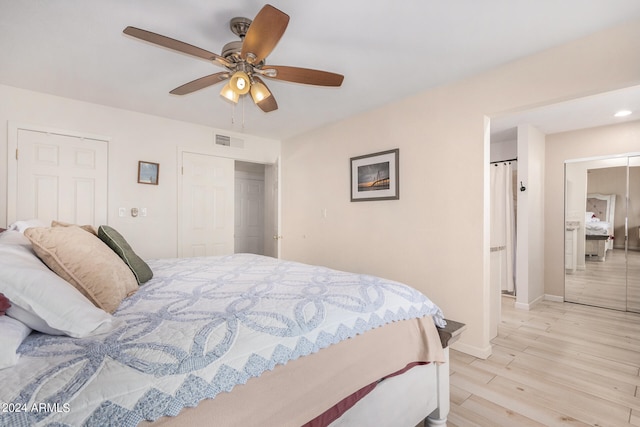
(239, 26)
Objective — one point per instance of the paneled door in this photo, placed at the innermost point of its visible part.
(249, 214)
(58, 176)
(206, 206)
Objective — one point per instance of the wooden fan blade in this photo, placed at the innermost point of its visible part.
(269, 103)
(303, 75)
(200, 83)
(263, 34)
(173, 44)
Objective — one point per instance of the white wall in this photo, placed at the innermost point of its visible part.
(134, 137)
(504, 150)
(530, 226)
(436, 236)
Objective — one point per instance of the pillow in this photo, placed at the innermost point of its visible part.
(90, 228)
(42, 300)
(86, 262)
(13, 332)
(23, 225)
(119, 245)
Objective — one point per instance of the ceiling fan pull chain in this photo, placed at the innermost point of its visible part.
(233, 114)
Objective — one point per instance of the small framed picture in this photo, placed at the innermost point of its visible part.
(375, 176)
(148, 173)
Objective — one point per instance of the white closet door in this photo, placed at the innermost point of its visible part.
(206, 208)
(61, 177)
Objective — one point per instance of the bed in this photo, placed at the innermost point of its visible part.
(238, 340)
(599, 225)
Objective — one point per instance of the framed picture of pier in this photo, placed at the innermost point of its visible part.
(148, 173)
(375, 176)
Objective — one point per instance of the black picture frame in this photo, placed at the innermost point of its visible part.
(376, 176)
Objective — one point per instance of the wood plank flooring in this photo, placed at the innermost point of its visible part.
(560, 364)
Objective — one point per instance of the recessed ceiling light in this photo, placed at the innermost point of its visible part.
(622, 113)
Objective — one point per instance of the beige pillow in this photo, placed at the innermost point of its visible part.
(86, 262)
(90, 228)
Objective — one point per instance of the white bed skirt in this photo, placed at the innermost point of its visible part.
(425, 392)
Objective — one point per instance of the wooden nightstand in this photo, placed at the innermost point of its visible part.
(450, 333)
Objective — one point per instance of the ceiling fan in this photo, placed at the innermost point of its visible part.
(244, 60)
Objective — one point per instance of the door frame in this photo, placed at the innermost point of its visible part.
(12, 158)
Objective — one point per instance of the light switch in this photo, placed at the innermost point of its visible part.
(143, 211)
(122, 212)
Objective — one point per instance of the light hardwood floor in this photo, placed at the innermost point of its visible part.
(560, 364)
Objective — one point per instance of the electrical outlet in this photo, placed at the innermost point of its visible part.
(134, 212)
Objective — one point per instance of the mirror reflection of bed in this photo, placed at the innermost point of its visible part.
(602, 282)
(599, 225)
(599, 251)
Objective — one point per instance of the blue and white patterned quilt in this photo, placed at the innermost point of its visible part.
(198, 328)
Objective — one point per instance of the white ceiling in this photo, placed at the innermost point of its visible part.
(386, 50)
(586, 112)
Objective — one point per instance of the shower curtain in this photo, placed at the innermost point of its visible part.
(502, 227)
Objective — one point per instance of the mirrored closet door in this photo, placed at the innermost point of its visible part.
(602, 232)
(633, 225)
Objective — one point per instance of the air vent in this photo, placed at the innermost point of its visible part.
(228, 141)
(223, 140)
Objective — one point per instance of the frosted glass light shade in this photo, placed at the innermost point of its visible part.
(239, 82)
(259, 92)
(229, 93)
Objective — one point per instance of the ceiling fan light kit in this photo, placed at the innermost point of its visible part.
(244, 60)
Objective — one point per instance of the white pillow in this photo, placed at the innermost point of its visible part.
(23, 225)
(41, 299)
(13, 332)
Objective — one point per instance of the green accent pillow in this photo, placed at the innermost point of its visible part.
(119, 245)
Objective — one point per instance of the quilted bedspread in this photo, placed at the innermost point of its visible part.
(198, 328)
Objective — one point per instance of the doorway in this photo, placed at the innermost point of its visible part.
(255, 209)
(227, 206)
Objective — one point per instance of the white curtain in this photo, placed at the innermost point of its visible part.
(502, 227)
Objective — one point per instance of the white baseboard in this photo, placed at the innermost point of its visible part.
(480, 353)
(554, 298)
(529, 306)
